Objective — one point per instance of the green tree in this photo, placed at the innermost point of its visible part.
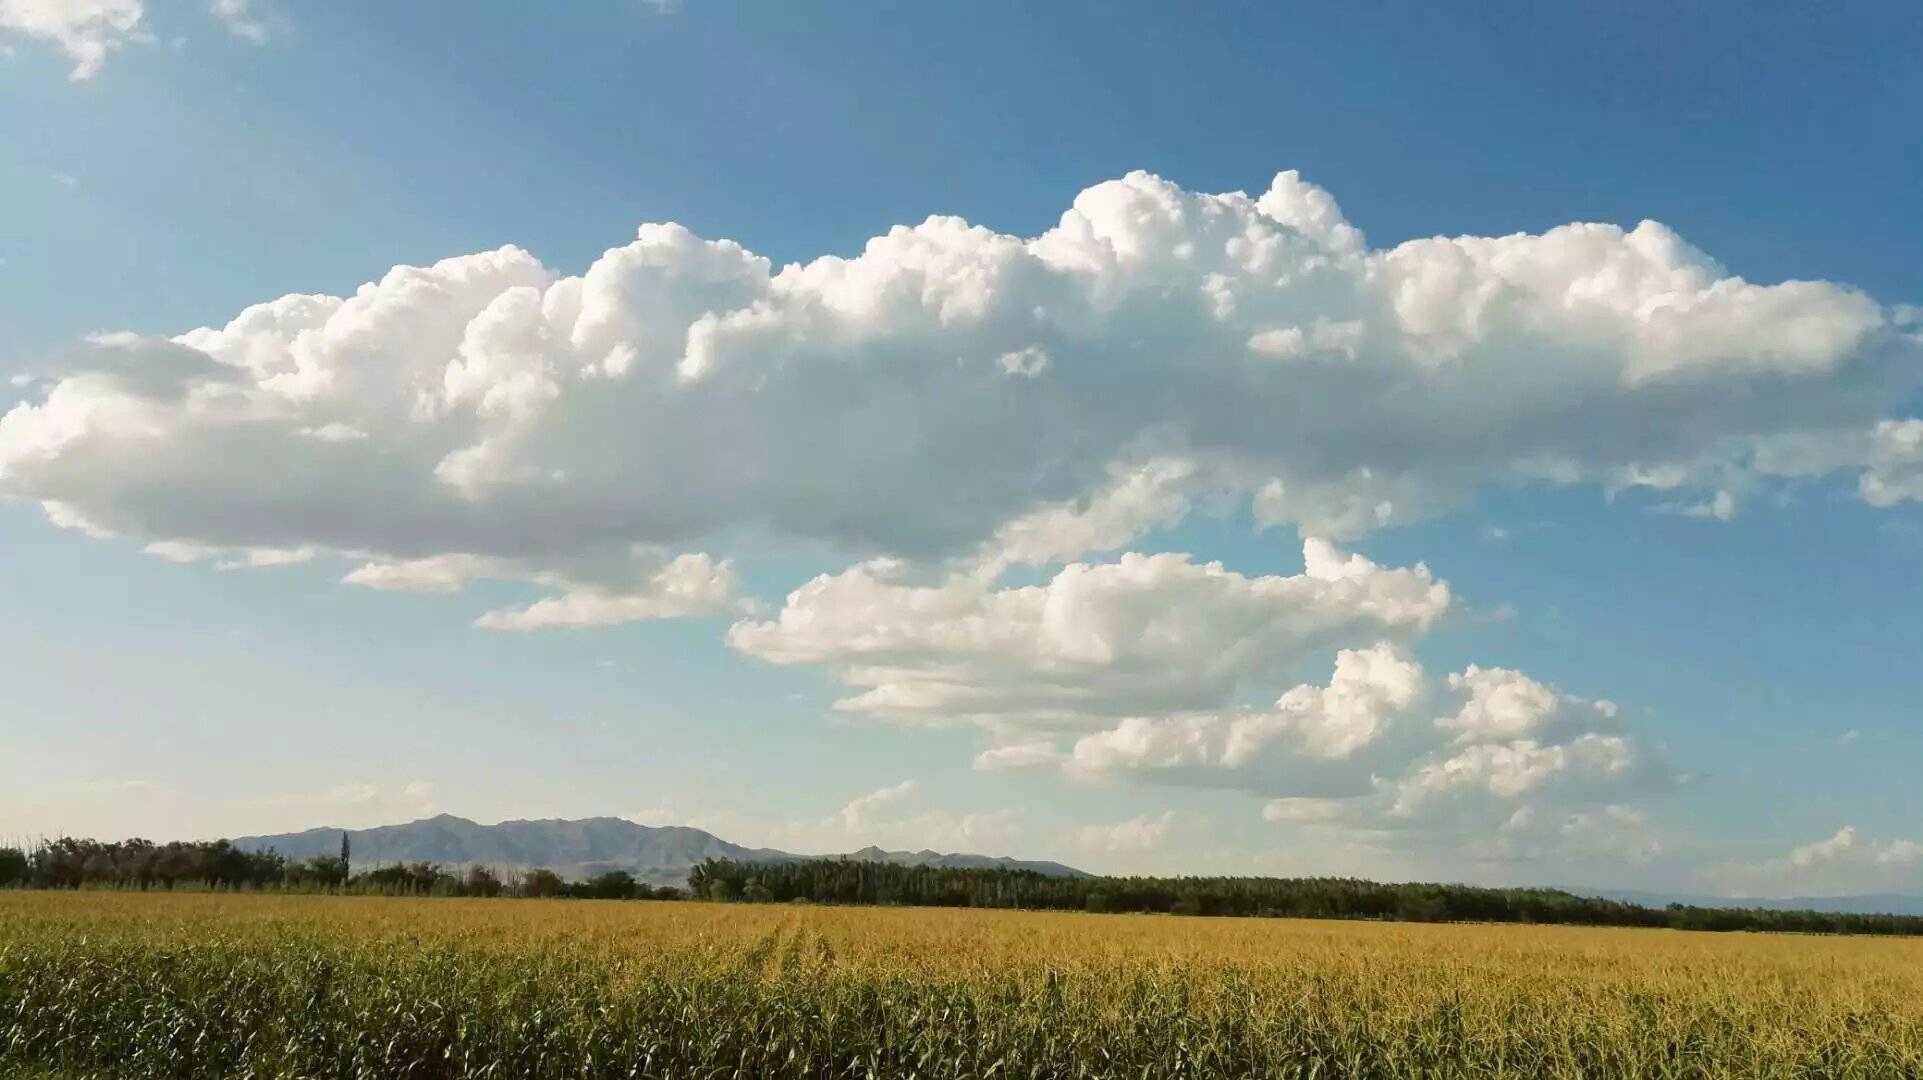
(612, 885)
(13, 866)
(542, 882)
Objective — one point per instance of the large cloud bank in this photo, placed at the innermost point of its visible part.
(948, 387)
(953, 404)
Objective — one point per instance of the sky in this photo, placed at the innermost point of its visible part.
(1205, 438)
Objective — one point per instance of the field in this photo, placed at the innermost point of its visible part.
(205, 985)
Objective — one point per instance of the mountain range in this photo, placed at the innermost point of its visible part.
(658, 855)
(663, 855)
(1858, 904)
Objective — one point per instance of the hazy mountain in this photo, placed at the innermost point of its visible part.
(1862, 904)
(926, 857)
(659, 855)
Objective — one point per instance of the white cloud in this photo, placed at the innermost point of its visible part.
(1301, 810)
(890, 817)
(85, 30)
(1612, 833)
(952, 390)
(241, 19)
(333, 432)
(1506, 704)
(859, 812)
(1022, 755)
(618, 589)
(1135, 500)
(1310, 743)
(1096, 642)
(1028, 362)
(1895, 471)
(180, 551)
(1512, 769)
(437, 573)
(186, 551)
(1509, 770)
(1134, 836)
(688, 585)
(1845, 862)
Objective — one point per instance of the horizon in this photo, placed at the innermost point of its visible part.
(1603, 890)
(1411, 445)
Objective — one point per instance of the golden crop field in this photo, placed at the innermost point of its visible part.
(205, 985)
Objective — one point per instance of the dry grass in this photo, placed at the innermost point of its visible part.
(210, 985)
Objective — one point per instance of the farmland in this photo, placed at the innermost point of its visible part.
(207, 985)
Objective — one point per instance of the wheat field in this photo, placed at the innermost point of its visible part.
(211, 985)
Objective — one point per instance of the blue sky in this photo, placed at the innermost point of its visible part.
(1725, 544)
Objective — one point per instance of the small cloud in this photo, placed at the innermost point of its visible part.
(1848, 738)
(1301, 810)
(180, 551)
(334, 432)
(66, 180)
(1134, 836)
(860, 811)
(1025, 363)
(1501, 613)
(1495, 534)
(1720, 506)
(262, 557)
(1018, 756)
(20, 381)
(241, 20)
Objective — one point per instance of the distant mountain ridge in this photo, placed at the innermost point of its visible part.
(1858, 904)
(656, 854)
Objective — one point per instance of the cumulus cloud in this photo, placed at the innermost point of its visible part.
(953, 391)
(85, 30)
(954, 405)
(1134, 836)
(1501, 763)
(1504, 704)
(1095, 642)
(1326, 740)
(1846, 861)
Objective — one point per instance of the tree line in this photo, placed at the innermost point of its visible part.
(833, 881)
(69, 863)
